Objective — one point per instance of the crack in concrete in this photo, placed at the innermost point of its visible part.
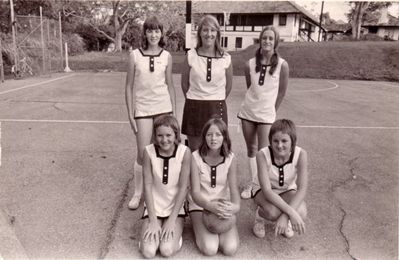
(334, 187)
(57, 108)
(117, 213)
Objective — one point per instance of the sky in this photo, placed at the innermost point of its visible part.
(337, 9)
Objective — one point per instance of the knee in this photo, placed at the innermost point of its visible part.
(271, 213)
(252, 149)
(230, 249)
(148, 252)
(208, 249)
(166, 250)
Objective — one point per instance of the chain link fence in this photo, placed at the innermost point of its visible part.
(39, 45)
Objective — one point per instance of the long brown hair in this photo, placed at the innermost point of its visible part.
(274, 58)
(210, 20)
(225, 150)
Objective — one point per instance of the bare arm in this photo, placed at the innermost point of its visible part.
(229, 79)
(247, 74)
(169, 225)
(183, 184)
(129, 92)
(148, 185)
(169, 82)
(302, 180)
(185, 77)
(284, 74)
(232, 181)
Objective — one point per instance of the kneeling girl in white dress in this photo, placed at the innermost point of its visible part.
(213, 176)
(166, 178)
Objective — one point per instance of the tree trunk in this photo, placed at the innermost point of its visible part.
(356, 21)
(118, 41)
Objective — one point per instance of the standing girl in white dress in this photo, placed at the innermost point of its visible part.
(266, 76)
(213, 176)
(149, 93)
(166, 166)
(283, 181)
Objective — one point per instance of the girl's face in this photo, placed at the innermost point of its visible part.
(208, 35)
(281, 144)
(165, 138)
(267, 41)
(214, 138)
(153, 36)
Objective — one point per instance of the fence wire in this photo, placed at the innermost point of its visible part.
(39, 45)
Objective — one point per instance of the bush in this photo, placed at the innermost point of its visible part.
(76, 44)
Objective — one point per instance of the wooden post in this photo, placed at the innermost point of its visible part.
(61, 51)
(1, 64)
(67, 69)
(14, 41)
(42, 39)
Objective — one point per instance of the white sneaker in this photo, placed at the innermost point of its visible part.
(289, 232)
(259, 225)
(247, 192)
(134, 202)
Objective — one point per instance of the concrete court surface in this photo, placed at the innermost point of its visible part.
(68, 151)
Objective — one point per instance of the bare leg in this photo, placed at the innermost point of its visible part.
(207, 242)
(194, 142)
(169, 248)
(249, 130)
(148, 248)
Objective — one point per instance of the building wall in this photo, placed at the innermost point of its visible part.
(391, 33)
(288, 33)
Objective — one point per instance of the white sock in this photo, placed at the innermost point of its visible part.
(253, 168)
(138, 179)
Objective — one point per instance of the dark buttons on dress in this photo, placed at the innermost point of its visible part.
(262, 75)
(152, 64)
(208, 69)
(281, 177)
(213, 177)
(165, 173)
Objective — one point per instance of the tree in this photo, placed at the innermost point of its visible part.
(117, 15)
(359, 12)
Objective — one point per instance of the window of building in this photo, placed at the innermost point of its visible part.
(282, 19)
(225, 42)
(238, 42)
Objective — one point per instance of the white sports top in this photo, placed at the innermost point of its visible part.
(213, 179)
(165, 174)
(207, 76)
(260, 98)
(282, 177)
(152, 94)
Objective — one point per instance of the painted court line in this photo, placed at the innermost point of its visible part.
(335, 85)
(230, 125)
(35, 84)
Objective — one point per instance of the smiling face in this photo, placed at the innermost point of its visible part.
(267, 41)
(208, 35)
(165, 138)
(281, 144)
(153, 36)
(214, 138)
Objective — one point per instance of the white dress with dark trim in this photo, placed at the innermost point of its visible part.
(260, 98)
(207, 76)
(213, 180)
(152, 94)
(165, 174)
(282, 177)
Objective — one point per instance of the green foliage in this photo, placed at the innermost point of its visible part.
(76, 44)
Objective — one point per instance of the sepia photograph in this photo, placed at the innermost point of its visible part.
(195, 129)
